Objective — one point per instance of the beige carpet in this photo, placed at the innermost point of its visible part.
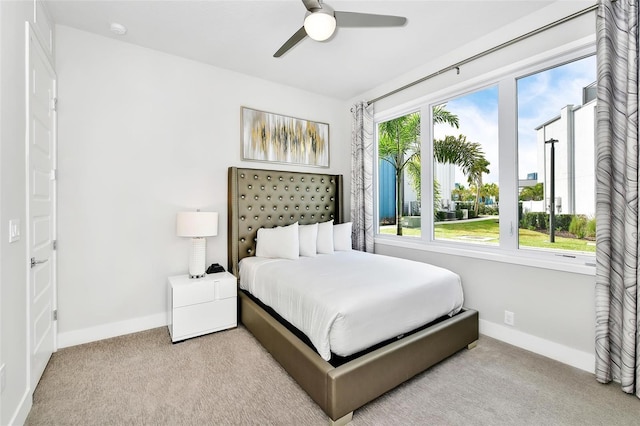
(228, 378)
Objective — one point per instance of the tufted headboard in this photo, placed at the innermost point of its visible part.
(268, 198)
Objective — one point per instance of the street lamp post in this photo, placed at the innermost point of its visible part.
(552, 203)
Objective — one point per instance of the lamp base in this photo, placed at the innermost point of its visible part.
(197, 258)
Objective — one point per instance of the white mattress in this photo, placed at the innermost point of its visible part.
(349, 301)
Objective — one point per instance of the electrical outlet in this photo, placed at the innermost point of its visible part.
(509, 318)
(3, 380)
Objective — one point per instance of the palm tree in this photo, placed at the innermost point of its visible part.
(462, 193)
(475, 177)
(441, 115)
(399, 145)
(535, 192)
(465, 154)
(459, 151)
(490, 190)
(399, 141)
(413, 170)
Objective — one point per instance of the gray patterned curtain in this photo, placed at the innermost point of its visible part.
(362, 177)
(617, 308)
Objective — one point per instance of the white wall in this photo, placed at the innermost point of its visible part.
(554, 311)
(143, 135)
(15, 401)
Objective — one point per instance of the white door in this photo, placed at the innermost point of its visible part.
(41, 158)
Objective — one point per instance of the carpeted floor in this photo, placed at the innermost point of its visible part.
(228, 378)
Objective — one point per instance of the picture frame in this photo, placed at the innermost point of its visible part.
(275, 138)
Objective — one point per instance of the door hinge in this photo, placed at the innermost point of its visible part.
(55, 315)
(54, 244)
(54, 174)
(54, 104)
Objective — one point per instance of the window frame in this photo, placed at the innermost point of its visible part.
(508, 250)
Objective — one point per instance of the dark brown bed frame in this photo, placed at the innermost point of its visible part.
(268, 198)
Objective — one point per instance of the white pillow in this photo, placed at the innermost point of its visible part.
(342, 236)
(281, 242)
(324, 243)
(308, 239)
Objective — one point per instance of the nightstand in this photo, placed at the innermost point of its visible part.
(199, 306)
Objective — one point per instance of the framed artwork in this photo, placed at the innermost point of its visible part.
(281, 139)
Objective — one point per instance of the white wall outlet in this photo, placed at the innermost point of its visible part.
(509, 318)
(14, 230)
(3, 380)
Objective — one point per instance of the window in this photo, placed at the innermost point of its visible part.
(511, 163)
(399, 191)
(465, 178)
(556, 129)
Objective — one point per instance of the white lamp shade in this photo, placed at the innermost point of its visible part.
(320, 25)
(197, 224)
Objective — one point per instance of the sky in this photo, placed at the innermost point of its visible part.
(540, 98)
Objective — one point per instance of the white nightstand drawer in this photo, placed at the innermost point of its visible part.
(197, 291)
(190, 321)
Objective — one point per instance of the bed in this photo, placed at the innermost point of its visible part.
(270, 198)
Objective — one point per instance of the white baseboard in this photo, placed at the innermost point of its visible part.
(20, 416)
(114, 329)
(573, 357)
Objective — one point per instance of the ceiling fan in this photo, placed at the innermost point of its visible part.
(321, 21)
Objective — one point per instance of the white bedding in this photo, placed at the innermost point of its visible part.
(348, 301)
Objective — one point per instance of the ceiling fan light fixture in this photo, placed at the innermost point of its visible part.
(320, 25)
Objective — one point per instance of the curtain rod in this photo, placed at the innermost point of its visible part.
(457, 65)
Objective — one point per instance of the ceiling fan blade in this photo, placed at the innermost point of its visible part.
(311, 4)
(355, 19)
(293, 40)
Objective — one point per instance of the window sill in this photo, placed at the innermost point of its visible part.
(584, 265)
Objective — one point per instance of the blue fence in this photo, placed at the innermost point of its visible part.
(387, 190)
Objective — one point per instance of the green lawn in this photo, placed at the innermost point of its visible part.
(487, 232)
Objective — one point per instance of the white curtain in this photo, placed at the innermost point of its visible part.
(362, 176)
(617, 155)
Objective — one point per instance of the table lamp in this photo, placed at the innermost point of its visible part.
(197, 225)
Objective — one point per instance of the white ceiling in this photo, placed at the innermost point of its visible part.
(242, 35)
